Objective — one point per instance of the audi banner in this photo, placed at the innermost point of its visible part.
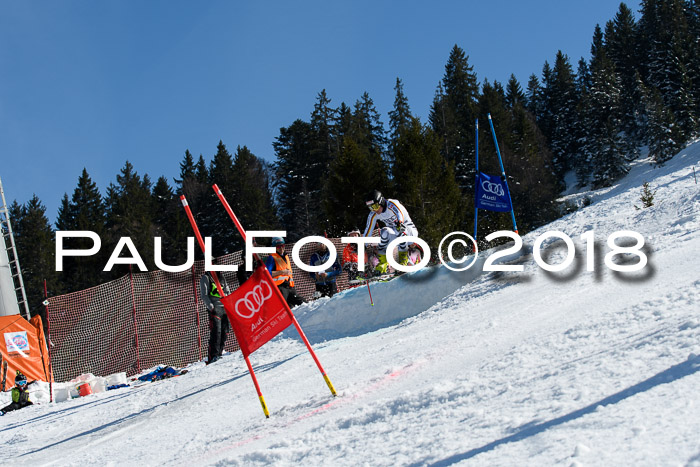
(491, 193)
(256, 312)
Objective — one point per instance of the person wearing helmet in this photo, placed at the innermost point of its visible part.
(218, 319)
(280, 267)
(20, 395)
(396, 222)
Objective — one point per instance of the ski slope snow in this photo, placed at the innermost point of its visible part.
(575, 367)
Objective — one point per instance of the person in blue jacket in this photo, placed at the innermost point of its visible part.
(325, 280)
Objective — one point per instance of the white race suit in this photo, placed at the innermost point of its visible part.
(393, 215)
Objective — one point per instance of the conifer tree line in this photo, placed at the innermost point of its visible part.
(639, 87)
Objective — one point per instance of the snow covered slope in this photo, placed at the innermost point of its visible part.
(510, 368)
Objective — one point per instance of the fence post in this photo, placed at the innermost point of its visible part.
(196, 311)
(136, 329)
(48, 344)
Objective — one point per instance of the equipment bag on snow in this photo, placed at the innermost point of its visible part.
(162, 373)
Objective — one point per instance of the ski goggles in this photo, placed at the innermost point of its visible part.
(21, 382)
(374, 206)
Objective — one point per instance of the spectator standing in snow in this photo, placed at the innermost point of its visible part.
(280, 267)
(20, 396)
(325, 280)
(218, 320)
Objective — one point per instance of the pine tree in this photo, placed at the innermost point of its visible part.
(170, 222)
(187, 168)
(604, 151)
(664, 134)
(693, 15)
(514, 93)
(367, 129)
(399, 118)
(621, 47)
(84, 211)
(354, 173)
(647, 197)
(215, 221)
(440, 120)
(358, 168)
(425, 183)
(545, 119)
(293, 148)
(201, 172)
(129, 213)
(452, 116)
(34, 239)
(665, 30)
(532, 181)
(193, 183)
(583, 78)
(252, 196)
(563, 102)
(534, 97)
(323, 131)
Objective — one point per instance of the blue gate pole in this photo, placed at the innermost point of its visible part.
(503, 173)
(476, 183)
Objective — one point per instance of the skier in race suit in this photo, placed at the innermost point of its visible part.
(396, 222)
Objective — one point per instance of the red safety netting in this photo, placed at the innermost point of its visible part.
(144, 319)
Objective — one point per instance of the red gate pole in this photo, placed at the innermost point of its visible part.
(277, 291)
(218, 285)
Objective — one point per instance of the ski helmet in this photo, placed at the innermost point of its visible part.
(20, 379)
(374, 200)
(277, 241)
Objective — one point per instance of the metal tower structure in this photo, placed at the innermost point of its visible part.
(10, 270)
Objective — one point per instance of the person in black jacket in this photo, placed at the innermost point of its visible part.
(218, 320)
(20, 396)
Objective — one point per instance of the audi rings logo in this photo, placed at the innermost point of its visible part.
(253, 300)
(491, 187)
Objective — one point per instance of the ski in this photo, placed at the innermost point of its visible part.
(4, 374)
(380, 278)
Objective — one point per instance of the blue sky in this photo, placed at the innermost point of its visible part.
(93, 84)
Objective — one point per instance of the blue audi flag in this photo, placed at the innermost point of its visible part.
(492, 194)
